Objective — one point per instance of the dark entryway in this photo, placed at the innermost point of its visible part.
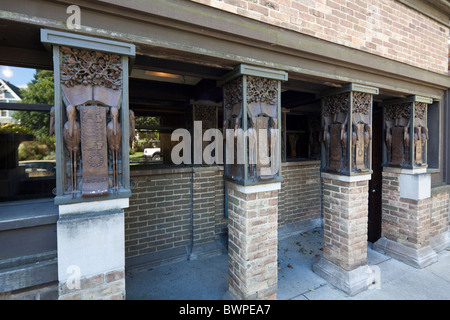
(375, 184)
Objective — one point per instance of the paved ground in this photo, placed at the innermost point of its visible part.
(207, 279)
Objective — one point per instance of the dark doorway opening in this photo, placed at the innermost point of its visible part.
(375, 184)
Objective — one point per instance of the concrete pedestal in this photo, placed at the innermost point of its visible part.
(406, 217)
(91, 250)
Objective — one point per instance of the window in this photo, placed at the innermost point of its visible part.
(302, 136)
(27, 150)
(152, 143)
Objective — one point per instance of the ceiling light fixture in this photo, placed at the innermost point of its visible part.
(162, 74)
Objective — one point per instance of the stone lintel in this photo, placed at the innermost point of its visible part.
(255, 188)
(93, 206)
(353, 178)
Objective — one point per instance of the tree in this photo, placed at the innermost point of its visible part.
(41, 91)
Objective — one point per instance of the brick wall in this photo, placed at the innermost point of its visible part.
(159, 218)
(208, 203)
(159, 215)
(104, 286)
(439, 213)
(382, 27)
(299, 197)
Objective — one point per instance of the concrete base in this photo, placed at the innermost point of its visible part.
(296, 228)
(205, 250)
(440, 242)
(351, 282)
(418, 258)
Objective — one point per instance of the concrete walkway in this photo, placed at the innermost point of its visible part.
(207, 279)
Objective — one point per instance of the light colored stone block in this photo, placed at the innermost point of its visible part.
(415, 186)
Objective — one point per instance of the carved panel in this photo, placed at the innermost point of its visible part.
(262, 155)
(347, 145)
(91, 81)
(262, 112)
(94, 150)
(400, 145)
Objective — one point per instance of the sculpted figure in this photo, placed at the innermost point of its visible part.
(72, 138)
(114, 135)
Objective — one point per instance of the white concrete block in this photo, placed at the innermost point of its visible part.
(90, 244)
(415, 186)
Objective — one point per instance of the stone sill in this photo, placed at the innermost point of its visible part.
(300, 163)
(173, 170)
(29, 213)
(441, 188)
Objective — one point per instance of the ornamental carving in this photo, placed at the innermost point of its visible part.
(91, 83)
(401, 144)
(361, 103)
(262, 90)
(347, 144)
(262, 155)
(233, 98)
(334, 105)
(81, 66)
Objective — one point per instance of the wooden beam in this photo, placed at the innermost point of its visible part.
(25, 106)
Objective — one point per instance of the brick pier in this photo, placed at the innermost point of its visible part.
(345, 212)
(253, 241)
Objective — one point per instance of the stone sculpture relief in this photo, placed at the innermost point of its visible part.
(344, 144)
(232, 120)
(262, 112)
(262, 130)
(420, 132)
(362, 130)
(91, 84)
(398, 124)
(335, 135)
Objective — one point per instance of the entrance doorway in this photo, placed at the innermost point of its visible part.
(375, 184)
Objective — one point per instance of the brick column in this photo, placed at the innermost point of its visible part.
(252, 117)
(345, 211)
(406, 207)
(253, 241)
(406, 217)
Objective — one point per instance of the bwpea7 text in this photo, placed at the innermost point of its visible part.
(226, 309)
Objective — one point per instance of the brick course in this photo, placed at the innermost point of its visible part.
(439, 213)
(159, 215)
(299, 197)
(105, 286)
(381, 27)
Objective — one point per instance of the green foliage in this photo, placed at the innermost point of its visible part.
(39, 91)
(14, 128)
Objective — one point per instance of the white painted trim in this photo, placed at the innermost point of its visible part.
(255, 188)
(339, 177)
(93, 206)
